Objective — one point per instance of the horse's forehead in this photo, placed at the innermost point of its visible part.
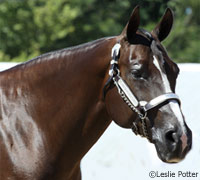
(139, 53)
(141, 49)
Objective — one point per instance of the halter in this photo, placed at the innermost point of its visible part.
(139, 107)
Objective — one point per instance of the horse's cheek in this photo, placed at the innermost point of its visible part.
(118, 110)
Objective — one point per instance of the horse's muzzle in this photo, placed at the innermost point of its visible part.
(173, 146)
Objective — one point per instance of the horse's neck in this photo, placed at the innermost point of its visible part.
(75, 113)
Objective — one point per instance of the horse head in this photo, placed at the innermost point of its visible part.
(145, 98)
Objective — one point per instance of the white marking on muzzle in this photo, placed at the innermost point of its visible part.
(174, 106)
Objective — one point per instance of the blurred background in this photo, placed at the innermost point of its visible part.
(29, 28)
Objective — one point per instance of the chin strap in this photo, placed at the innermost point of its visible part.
(139, 107)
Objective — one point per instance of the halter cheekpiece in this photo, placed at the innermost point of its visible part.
(139, 107)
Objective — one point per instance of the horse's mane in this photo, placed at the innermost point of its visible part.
(70, 51)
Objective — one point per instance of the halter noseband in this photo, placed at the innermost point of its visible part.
(139, 107)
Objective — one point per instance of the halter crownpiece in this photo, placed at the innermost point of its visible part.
(139, 107)
(114, 61)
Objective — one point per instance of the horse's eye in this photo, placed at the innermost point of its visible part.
(136, 74)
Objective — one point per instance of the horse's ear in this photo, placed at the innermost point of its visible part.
(133, 24)
(164, 26)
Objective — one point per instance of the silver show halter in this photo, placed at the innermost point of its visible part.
(140, 107)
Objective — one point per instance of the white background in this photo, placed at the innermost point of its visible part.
(120, 155)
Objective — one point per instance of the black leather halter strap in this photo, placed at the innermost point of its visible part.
(139, 107)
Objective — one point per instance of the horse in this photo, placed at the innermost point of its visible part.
(55, 107)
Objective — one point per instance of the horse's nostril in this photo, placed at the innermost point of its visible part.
(171, 136)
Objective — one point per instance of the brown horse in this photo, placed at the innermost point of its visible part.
(55, 107)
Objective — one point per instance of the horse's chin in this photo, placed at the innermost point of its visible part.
(170, 157)
(175, 160)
